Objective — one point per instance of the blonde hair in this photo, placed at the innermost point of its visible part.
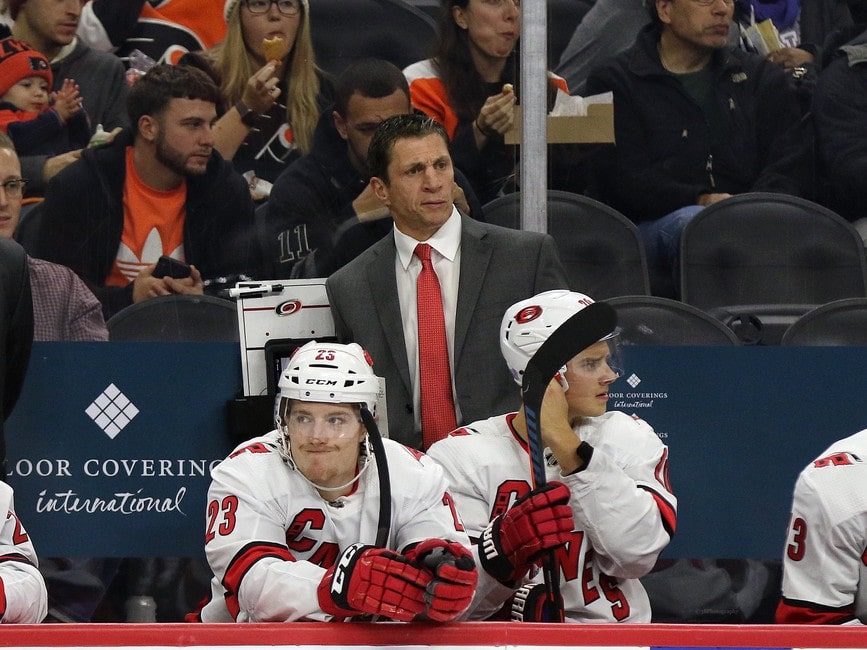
(235, 65)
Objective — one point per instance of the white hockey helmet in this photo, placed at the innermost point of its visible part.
(528, 324)
(334, 373)
(337, 373)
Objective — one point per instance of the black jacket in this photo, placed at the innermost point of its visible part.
(665, 154)
(840, 112)
(81, 221)
(16, 331)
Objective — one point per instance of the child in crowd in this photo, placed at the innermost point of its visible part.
(37, 120)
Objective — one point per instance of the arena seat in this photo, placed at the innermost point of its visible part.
(394, 30)
(600, 248)
(653, 320)
(176, 318)
(839, 322)
(759, 260)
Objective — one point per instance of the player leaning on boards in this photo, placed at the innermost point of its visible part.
(293, 515)
(825, 560)
(613, 466)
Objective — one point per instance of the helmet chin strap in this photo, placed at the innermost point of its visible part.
(363, 461)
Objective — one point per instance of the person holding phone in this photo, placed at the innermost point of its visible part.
(158, 189)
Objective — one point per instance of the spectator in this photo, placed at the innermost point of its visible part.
(839, 111)
(23, 596)
(64, 309)
(323, 206)
(157, 189)
(16, 331)
(49, 27)
(470, 86)
(610, 26)
(481, 268)
(695, 121)
(35, 126)
(824, 560)
(258, 133)
(164, 31)
(613, 464)
(291, 529)
(805, 28)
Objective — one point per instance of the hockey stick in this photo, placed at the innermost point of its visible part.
(580, 331)
(384, 524)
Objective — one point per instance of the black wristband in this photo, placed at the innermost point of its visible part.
(248, 115)
(585, 453)
(488, 133)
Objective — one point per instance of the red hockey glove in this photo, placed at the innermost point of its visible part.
(538, 521)
(368, 580)
(533, 604)
(454, 577)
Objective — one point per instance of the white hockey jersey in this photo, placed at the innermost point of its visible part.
(623, 507)
(270, 536)
(23, 595)
(825, 558)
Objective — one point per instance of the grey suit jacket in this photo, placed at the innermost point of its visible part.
(499, 267)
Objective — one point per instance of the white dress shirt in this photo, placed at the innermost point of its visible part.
(446, 260)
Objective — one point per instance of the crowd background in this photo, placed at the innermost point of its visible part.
(268, 111)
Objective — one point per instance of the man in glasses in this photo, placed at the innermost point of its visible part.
(696, 121)
(64, 309)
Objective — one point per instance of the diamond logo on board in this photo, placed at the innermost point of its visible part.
(111, 411)
(633, 380)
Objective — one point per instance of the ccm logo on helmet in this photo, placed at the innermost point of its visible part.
(321, 382)
(288, 307)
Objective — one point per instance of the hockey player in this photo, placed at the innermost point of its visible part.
(23, 595)
(825, 559)
(613, 464)
(292, 516)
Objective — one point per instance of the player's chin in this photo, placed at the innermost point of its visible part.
(597, 407)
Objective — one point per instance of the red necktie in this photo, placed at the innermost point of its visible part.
(437, 404)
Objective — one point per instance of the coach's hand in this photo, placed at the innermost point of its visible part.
(538, 521)
(369, 580)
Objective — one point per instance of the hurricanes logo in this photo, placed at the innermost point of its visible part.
(288, 308)
(528, 314)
